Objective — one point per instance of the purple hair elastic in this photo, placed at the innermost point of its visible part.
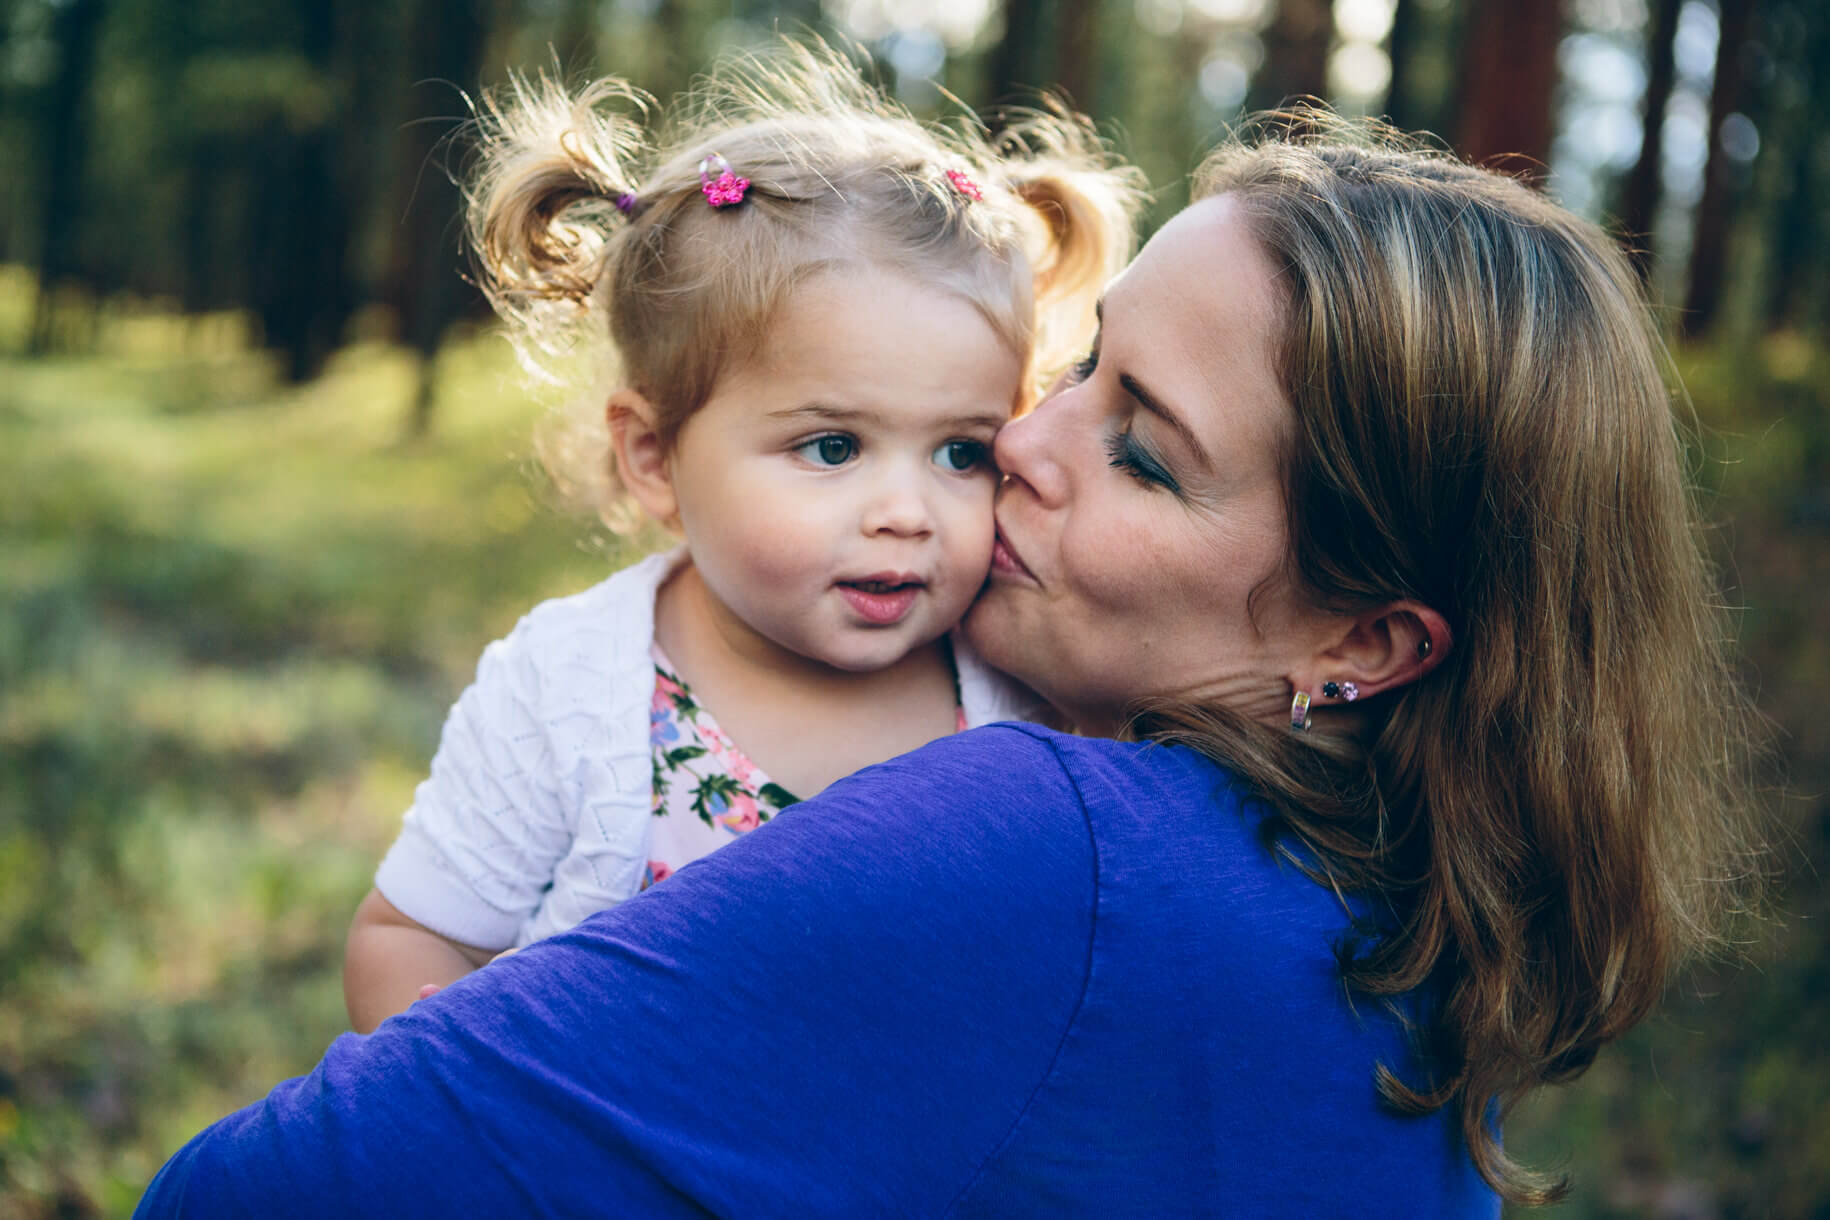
(625, 203)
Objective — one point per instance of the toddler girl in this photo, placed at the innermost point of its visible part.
(816, 312)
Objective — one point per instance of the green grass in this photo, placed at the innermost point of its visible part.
(232, 615)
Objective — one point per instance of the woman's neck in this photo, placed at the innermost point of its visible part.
(803, 722)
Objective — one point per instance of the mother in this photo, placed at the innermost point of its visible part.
(1364, 531)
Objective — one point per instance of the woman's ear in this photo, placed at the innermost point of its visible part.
(1381, 650)
(641, 455)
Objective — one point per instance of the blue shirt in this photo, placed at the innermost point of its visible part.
(1014, 973)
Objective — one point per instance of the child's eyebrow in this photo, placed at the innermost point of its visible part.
(829, 413)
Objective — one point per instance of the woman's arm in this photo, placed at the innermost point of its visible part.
(390, 957)
(842, 1013)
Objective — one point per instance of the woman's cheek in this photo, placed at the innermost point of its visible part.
(1115, 570)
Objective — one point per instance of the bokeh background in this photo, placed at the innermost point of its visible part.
(264, 492)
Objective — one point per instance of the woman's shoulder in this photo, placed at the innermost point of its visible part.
(1016, 759)
(1018, 784)
(1022, 764)
(1170, 827)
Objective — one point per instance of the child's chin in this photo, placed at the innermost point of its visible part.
(866, 658)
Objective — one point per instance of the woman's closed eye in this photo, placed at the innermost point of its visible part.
(1125, 453)
(828, 449)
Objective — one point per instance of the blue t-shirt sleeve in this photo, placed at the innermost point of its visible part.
(844, 1012)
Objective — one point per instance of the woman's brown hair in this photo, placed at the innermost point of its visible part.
(1559, 813)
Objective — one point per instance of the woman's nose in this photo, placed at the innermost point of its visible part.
(1029, 450)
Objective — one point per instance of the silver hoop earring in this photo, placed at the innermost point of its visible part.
(1299, 712)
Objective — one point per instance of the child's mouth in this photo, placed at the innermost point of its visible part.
(883, 600)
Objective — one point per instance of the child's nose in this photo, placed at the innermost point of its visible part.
(898, 507)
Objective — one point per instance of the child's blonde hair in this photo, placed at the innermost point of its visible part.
(584, 227)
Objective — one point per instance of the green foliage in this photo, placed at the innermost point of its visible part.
(233, 617)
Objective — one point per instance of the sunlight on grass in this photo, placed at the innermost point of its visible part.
(235, 614)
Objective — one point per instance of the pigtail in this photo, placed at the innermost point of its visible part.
(542, 212)
(593, 241)
(1087, 206)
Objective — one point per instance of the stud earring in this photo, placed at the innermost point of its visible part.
(1299, 712)
(1423, 648)
(1341, 690)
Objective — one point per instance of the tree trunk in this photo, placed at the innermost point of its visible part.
(679, 46)
(1798, 154)
(1296, 46)
(1077, 52)
(574, 42)
(446, 38)
(65, 134)
(1509, 69)
(1709, 248)
(1015, 65)
(1640, 199)
(303, 226)
(1400, 47)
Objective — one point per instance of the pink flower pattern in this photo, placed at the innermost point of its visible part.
(706, 790)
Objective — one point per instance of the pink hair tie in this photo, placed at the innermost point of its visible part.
(965, 185)
(724, 190)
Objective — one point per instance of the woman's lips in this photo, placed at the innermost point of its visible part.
(882, 598)
(1003, 559)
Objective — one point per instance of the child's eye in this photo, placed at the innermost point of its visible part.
(833, 449)
(961, 456)
(1084, 367)
(1124, 453)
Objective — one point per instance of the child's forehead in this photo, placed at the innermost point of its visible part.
(857, 325)
(855, 303)
(902, 412)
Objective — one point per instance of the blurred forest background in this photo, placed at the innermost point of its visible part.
(264, 496)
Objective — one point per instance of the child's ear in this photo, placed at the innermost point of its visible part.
(641, 455)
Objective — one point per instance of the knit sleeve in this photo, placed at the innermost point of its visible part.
(487, 827)
(535, 812)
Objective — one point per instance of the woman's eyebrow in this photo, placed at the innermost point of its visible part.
(1162, 411)
(1151, 403)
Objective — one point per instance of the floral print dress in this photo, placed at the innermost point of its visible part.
(706, 790)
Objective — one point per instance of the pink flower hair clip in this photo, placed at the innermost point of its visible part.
(725, 189)
(965, 185)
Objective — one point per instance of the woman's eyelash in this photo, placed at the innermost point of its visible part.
(1127, 455)
(1083, 368)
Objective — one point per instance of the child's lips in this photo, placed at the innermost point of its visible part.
(882, 598)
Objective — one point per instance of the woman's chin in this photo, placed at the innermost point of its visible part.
(985, 627)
